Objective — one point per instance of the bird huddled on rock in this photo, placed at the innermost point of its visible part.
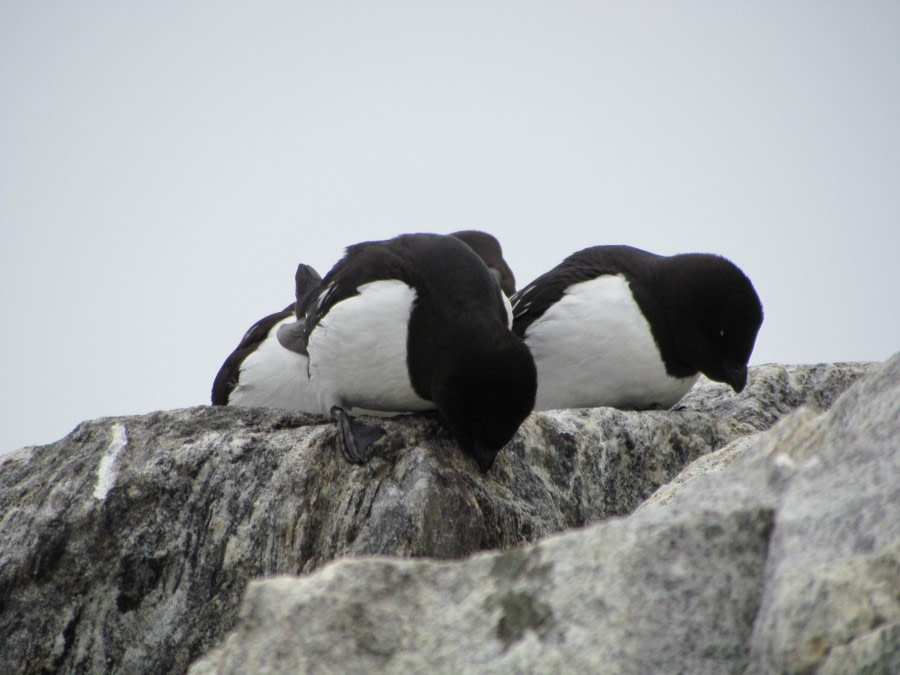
(260, 372)
(415, 323)
(618, 326)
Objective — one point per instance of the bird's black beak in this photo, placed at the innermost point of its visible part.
(736, 376)
(484, 457)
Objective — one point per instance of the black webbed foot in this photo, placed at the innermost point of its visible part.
(354, 437)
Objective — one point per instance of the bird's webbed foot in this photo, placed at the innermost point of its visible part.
(354, 437)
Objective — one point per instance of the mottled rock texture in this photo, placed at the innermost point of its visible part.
(127, 545)
(780, 555)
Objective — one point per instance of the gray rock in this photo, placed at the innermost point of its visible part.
(581, 602)
(782, 555)
(127, 545)
(832, 595)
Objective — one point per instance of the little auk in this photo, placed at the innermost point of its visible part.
(618, 326)
(415, 323)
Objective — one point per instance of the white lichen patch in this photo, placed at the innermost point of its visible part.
(106, 472)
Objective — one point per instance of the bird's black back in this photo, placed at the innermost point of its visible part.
(530, 303)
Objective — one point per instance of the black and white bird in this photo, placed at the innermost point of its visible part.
(415, 323)
(261, 372)
(618, 326)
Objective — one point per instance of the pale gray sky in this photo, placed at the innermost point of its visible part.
(164, 166)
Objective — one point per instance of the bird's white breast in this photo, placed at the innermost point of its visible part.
(275, 377)
(358, 351)
(594, 347)
(509, 311)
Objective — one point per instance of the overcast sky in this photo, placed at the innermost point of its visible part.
(164, 167)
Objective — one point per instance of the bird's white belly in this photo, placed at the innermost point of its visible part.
(275, 377)
(594, 348)
(358, 351)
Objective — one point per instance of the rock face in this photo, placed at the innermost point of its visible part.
(128, 545)
(781, 555)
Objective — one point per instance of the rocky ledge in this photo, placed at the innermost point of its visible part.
(128, 545)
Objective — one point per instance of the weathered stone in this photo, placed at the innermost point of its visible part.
(783, 556)
(579, 602)
(128, 544)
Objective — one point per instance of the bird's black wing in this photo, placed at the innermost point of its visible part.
(227, 378)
